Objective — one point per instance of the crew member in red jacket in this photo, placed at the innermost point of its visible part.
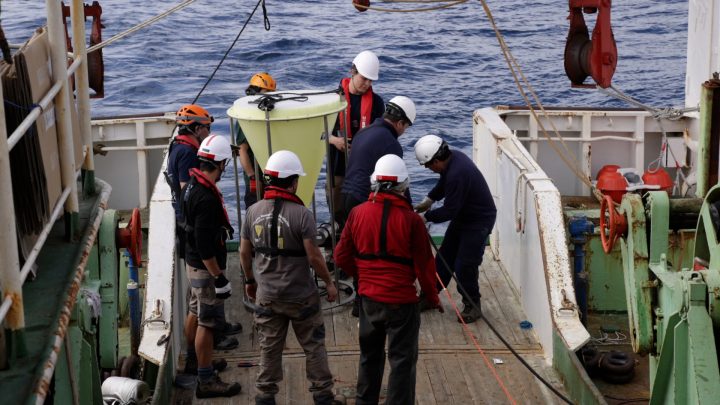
(385, 244)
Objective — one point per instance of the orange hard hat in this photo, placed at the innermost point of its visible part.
(264, 81)
(193, 113)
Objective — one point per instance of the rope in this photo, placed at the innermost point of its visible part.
(477, 345)
(140, 26)
(416, 10)
(267, 28)
(495, 331)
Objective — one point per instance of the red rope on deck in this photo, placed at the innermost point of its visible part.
(477, 345)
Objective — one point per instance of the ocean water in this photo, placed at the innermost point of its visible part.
(448, 61)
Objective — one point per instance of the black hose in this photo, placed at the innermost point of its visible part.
(524, 363)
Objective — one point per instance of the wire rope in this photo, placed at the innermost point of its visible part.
(266, 23)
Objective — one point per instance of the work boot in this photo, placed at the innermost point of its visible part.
(231, 328)
(225, 343)
(469, 313)
(327, 398)
(191, 365)
(215, 387)
(265, 399)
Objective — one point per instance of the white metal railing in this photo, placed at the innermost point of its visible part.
(11, 277)
(41, 106)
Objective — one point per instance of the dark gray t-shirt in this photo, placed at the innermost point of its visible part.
(281, 278)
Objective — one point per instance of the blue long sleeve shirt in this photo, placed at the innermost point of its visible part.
(369, 145)
(468, 201)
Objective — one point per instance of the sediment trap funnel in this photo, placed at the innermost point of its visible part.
(290, 120)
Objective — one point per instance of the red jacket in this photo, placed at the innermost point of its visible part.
(383, 280)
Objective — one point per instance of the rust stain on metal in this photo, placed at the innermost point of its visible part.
(43, 384)
(14, 315)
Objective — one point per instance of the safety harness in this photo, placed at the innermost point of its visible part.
(366, 105)
(279, 196)
(190, 141)
(383, 254)
(198, 177)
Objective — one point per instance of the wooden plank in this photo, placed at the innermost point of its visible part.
(345, 327)
(436, 373)
(481, 384)
(456, 380)
(513, 312)
(424, 394)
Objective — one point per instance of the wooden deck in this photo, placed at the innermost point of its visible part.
(450, 370)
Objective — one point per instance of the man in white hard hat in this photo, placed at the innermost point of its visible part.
(469, 207)
(371, 143)
(207, 228)
(282, 232)
(363, 107)
(386, 246)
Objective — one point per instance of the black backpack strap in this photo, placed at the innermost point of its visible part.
(383, 254)
(273, 249)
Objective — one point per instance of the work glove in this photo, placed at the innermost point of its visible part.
(424, 205)
(253, 184)
(223, 289)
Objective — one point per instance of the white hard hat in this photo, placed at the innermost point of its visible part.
(389, 168)
(426, 148)
(215, 148)
(283, 164)
(406, 105)
(367, 64)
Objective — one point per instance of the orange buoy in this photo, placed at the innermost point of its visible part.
(361, 5)
(607, 169)
(660, 178)
(613, 184)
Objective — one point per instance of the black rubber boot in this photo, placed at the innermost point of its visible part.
(225, 343)
(191, 365)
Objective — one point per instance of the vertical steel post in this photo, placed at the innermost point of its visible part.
(10, 281)
(709, 129)
(329, 173)
(134, 300)
(142, 164)
(77, 17)
(58, 54)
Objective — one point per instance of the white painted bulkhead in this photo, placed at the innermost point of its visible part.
(134, 148)
(529, 235)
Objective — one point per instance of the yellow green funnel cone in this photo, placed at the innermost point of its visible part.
(296, 122)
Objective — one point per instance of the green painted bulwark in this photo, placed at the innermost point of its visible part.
(577, 383)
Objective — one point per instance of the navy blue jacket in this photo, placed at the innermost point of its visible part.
(182, 158)
(369, 145)
(468, 201)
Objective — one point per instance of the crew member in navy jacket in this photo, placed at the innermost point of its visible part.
(468, 206)
(371, 144)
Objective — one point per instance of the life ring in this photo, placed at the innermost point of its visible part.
(611, 221)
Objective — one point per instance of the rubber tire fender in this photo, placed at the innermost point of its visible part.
(618, 363)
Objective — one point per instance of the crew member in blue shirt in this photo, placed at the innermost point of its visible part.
(470, 208)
